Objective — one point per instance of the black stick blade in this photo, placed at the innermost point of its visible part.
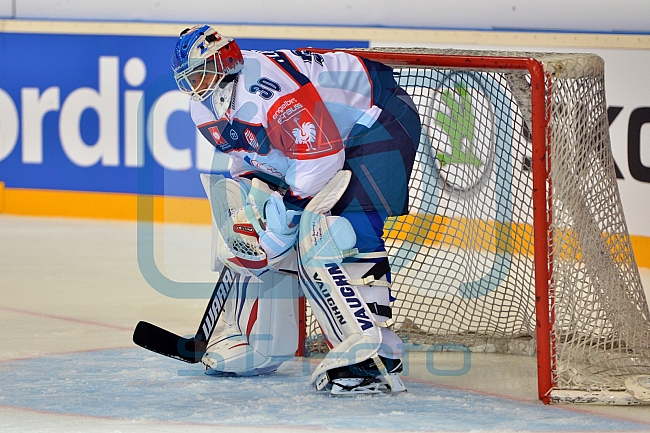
(166, 343)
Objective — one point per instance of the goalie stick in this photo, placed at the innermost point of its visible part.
(163, 342)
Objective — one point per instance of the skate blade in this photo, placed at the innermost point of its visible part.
(372, 389)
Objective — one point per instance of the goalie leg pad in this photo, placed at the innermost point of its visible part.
(337, 305)
(367, 342)
(258, 329)
(349, 324)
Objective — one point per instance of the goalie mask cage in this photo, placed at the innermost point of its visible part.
(516, 239)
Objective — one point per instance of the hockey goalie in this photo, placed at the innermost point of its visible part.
(321, 150)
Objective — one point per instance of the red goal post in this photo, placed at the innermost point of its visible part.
(579, 298)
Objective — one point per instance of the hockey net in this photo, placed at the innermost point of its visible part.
(516, 239)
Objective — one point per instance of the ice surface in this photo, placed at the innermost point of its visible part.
(133, 384)
(71, 292)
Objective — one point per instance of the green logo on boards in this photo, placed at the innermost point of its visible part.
(457, 125)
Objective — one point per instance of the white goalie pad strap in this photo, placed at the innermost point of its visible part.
(370, 281)
(258, 329)
(375, 255)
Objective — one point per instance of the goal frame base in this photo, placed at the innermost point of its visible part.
(600, 398)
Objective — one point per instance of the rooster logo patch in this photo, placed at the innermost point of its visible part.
(305, 134)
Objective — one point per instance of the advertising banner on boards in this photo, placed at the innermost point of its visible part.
(101, 113)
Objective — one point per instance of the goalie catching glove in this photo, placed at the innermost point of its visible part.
(252, 229)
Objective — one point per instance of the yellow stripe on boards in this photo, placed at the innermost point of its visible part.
(641, 248)
(429, 229)
(514, 238)
(2, 197)
(80, 204)
(462, 233)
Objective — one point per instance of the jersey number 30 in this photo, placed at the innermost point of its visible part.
(265, 88)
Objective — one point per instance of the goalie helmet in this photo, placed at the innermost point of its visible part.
(202, 58)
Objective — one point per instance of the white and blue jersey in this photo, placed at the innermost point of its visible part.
(300, 117)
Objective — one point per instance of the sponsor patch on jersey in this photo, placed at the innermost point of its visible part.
(216, 135)
(286, 110)
(251, 139)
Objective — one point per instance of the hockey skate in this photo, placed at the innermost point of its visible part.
(366, 378)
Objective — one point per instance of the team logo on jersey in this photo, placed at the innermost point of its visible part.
(301, 127)
(233, 135)
(251, 138)
(216, 135)
(305, 134)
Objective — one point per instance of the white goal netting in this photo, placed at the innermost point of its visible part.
(463, 259)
